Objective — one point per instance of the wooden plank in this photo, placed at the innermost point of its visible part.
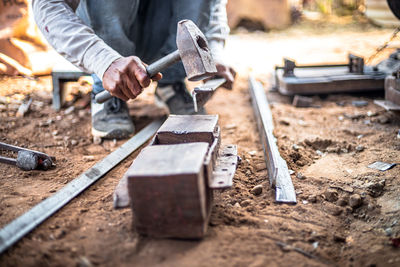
(168, 191)
(277, 168)
(179, 129)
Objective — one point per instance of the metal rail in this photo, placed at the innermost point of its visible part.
(21, 226)
(278, 171)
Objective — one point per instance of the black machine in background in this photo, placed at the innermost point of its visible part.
(353, 76)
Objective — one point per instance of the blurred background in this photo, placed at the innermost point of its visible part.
(23, 51)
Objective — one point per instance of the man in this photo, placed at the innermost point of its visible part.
(113, 38)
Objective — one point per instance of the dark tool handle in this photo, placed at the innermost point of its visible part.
(152, 70)
(8, 160)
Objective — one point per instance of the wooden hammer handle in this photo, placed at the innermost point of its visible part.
(152, 70)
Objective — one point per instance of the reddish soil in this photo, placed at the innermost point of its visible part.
(347, 214)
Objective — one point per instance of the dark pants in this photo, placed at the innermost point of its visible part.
(144, 28)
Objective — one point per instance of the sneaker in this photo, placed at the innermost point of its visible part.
(176, 98)
(111, 119)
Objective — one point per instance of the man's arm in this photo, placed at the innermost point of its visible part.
(216, 33)
(71, 37)
(123, 77)
(217, 30)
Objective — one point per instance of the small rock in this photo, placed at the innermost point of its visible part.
(257, 190)
(45, 123)
(295, 147)
(54, 133)
(370, 207)
(74, 142)
(331, 195)
(84, 262)
(398, 134)
(302, 123)
(230, 126)
(340, 118)
(82, 113)
(302, 101)
(83, 210)
(359, 103)
(342, 201)
(252, 153)
(69, 110)
(97, 140)
(335, 149)
(375, 189)
(305, 202)
(383, 119)
(237, 205)
(88, 158)
(359, 148)
(300, 176)
(59, 233)
(335, 210)
(245, 203)
(58, 137)
(355, 201)
(284, 122)
(312, 198)
(339, 238)
(389, 231)
(319, 153)
(260, 167)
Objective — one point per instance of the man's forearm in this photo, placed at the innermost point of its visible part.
(218, 29)
(71, 37)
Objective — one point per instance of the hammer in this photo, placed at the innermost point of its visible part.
(192, 50)
(27, 159)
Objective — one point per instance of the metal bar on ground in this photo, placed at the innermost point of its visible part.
(278, 171)
(21, 226)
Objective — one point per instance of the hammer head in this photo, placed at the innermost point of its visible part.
(195, 53)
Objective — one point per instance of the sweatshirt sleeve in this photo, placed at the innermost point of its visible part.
(218, 29)
(72, 38)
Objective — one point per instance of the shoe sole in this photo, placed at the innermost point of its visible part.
(114, 134)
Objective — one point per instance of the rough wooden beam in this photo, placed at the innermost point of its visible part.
(168, 191)
(179, 129)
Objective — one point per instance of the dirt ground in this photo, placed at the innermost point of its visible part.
(347, 214)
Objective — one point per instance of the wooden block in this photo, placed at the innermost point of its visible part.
(168, 192)
(178, 129)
